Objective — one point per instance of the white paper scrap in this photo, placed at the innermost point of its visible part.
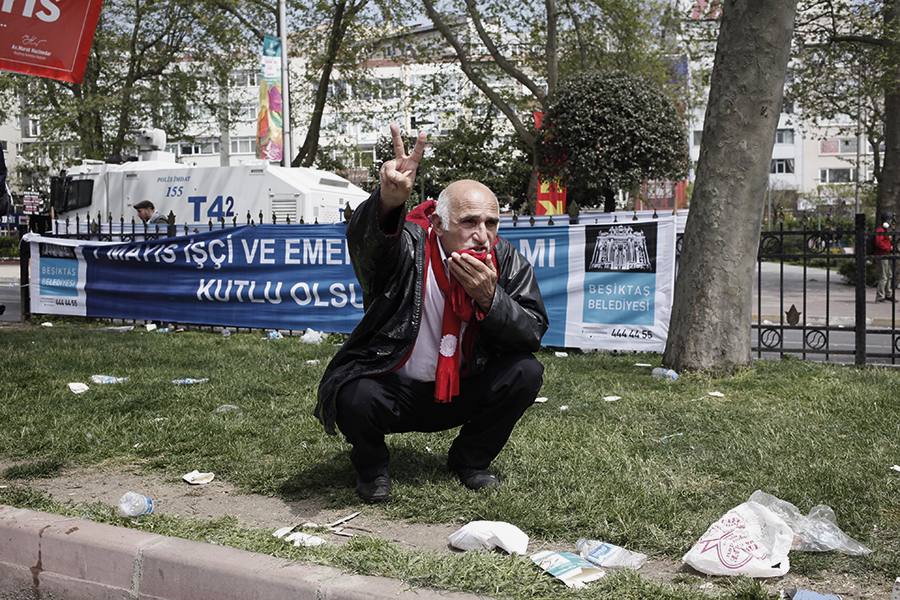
(717, 394)
(304, 539)
(612, 398)
(490, 535)
(568, 567)
(562, 354)
(108, 379)
(541, 399)
(896, 467)
(280, 533)
(78, 388)
(197, 478)
(643, 365)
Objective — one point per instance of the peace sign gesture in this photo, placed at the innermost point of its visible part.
(398, 174)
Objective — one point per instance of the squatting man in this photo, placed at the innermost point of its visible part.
(453, 316)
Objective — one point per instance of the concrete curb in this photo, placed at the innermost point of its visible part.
(51, 556)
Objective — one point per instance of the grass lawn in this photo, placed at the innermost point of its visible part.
(650, 471)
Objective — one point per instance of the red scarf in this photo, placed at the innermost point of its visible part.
(459, 308)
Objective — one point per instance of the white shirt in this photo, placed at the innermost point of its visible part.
(422, 363)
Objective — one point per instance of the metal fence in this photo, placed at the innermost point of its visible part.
(813, 301)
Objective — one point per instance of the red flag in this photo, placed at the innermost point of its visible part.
(551, 198)
(47, 38)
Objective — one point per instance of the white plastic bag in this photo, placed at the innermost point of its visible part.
(816, 532)
(748, 540)
(490, 535)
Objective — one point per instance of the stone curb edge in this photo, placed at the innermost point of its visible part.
(47, 555)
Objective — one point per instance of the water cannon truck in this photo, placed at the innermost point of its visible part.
(198, 195)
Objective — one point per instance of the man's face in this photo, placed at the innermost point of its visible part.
(144, 214)
(474, 219)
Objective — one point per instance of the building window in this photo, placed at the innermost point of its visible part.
(837, 175)
(245, 78)
(243, 145)
(848, 145)
(784, 136)
(838, 146)
(199, 147)
(32, 127)
(782, 165)
(698, 137)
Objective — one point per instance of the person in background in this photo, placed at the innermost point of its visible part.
(148, 213)
(883, 248)
(453, 316)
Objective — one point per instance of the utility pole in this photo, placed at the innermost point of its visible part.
(287, 152)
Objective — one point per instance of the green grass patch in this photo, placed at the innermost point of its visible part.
(649, 472)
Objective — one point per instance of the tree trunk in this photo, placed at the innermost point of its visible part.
(711, 314)
(890, 174)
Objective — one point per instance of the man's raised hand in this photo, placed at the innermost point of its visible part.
(398, 174)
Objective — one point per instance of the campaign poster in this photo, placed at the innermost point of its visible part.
(48, 38)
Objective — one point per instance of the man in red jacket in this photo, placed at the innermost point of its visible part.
(883, 248)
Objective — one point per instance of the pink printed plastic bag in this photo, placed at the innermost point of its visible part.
(748, 540)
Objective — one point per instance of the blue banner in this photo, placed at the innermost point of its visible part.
(605, 286)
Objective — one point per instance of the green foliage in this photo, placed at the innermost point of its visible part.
(611, 131)
(845, 63)
(476, 150)
(9, 246)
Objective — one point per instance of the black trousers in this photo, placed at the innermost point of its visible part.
(488, 407)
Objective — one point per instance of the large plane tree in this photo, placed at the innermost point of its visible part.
(710, 322)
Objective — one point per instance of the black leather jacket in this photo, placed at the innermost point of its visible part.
(391, 270)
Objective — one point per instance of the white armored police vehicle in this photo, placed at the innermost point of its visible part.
(199, 195)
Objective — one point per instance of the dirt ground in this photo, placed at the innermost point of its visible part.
(219, 499)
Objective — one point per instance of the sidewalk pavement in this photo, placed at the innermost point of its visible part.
(50, 556)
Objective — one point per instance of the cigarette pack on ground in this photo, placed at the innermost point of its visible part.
(569, 568)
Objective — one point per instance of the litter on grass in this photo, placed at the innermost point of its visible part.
(643, 365)
(668, 437)
(816, 532)
(313, 361)
(541, 400)
(121, 329)
(189, 381)
(490, 535)
(608, 555)
(47, 324)
(896, 467)
(275, 335)
(313, 337)
(569, 568)
(754, 538)
(717, 394)
(229, 407)
(612, 398)
(561, 354)
(794, 594)
(78, 388)
(304, 539)
(108, 379)
(150, 327)
(895, 595)
(197, 478)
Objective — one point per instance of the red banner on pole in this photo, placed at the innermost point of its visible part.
(47, 38)
(551, 197)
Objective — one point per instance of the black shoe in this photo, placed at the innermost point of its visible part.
(879, 300)
(377, 490)
(476, 479)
